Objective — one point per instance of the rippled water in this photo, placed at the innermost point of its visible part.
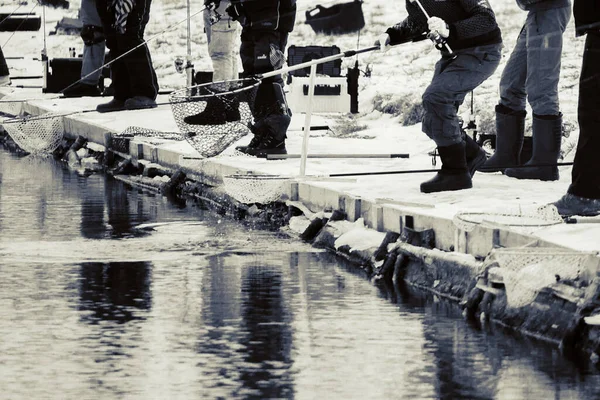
(110, 292)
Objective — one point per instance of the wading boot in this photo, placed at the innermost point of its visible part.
(510, 129)
(219, 110)
(547, 134)
(454, 174)
(476, 156)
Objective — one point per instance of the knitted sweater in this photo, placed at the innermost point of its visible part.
(471, 22)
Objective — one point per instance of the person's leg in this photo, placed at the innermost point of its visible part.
(544, 50)
(453, 79)
(223, 48)
(119, 77)
(94, 46)
(222, 40)
(583, 195)
(510, 112)
(586, 168)
(271, 111)
(4, 72)
(143, 83)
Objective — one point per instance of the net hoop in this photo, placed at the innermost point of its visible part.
(248, 189)
(38, 134)
(227, 108)
(541, 217)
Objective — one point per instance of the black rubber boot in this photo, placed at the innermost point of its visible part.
(510, 128)
(476, 156)
(454, 174)
(271, 135)
(547, 133)
(219, 110)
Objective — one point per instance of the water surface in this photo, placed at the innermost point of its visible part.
(107, 292)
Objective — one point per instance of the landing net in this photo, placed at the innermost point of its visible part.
(36, 135)
(528, 270)
(227, 113)
(248, 189)
(518, 217)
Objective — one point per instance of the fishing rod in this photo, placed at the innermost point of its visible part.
(418, 171)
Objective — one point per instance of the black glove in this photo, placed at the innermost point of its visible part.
(212, 4)
(235, 11)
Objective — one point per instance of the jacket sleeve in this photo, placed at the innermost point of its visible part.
(405, 31)
(587, 16)
(481, 20)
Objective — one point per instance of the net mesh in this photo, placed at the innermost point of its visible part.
(36, 135)
(523, 219)
(226, 110)
(527, 270)
(248, 189)
(12, 104)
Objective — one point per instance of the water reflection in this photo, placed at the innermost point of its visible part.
(266, 318)
(116, 291)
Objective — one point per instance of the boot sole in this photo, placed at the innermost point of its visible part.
(445, 189)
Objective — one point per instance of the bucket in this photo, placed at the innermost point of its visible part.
(337, 19)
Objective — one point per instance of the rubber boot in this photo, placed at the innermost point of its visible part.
(219, 110)
(510, 128)
(547, 133)
(476, 156)
(454, 174)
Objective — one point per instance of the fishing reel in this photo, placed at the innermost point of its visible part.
(213, 15)
(437, 39)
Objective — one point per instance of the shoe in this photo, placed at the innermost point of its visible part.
(253, 143)
(570, 204)
(113, 105)
(269, 136)
(81, 89)
(5, 80)
(139, 103)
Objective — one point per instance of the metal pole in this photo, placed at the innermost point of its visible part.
(322, 60)
(189, 66)
(311, 92)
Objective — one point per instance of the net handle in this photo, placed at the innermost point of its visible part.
(349, 53)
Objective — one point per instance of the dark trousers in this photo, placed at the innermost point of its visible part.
(453, 78)
(3, 66)
(256, 51)
(586, 168)
(133, 74)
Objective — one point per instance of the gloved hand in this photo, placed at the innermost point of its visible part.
(212, 4)
(234, 11)
(438, 25)
(383, 42)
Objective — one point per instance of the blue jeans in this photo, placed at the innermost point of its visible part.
(533, 69)
(453, 79)
(93, 55)
(223, 47)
